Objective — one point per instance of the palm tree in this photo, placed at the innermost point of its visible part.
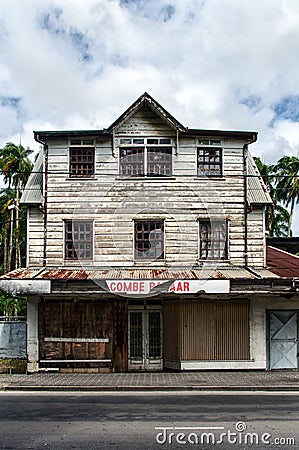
(7, 198)
(277, 217)
(16, 167)
(287, 184)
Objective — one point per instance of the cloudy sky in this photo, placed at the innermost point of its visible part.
(224, 64)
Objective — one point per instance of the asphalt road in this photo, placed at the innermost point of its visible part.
(148, 420)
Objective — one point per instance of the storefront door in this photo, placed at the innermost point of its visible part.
(284, 339)
(145, 339)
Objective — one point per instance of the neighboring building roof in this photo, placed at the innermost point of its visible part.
(33, 192)
(282, 263)
(288, 244)
(257, 191)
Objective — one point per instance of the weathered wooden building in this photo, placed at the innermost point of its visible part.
(146, 251)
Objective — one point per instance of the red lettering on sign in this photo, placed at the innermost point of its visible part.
(186, 286)
(141, 286)
(127, 286)
(152, 285)
(179, 287)
(172, 288)
(112, 286)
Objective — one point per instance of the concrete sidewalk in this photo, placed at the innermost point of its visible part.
(201, 380)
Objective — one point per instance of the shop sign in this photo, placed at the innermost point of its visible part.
(145, 287)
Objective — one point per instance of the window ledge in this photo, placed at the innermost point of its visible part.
(213, 262)
(81, 178)
(145, 178)
(210, 177)
(147, 263)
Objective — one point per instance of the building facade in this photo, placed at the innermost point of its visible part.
(146, 251)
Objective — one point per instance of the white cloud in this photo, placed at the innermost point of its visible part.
(212, 64)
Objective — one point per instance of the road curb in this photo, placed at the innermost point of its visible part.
(145, 388)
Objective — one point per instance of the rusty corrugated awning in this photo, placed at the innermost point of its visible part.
(137, 274)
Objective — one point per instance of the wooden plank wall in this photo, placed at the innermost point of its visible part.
(35, 231)
(256, 237)
(85, 319)
(113, 202)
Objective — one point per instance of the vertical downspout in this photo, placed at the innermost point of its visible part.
(177, 143)
(45, 206)
(245, 155)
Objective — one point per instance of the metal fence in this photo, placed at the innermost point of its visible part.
(13, 337)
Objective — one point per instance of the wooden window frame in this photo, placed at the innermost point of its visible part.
(74, 245)
(163, 156)
(145, 160)
(131, 161)
(144, 244)
(207, 165)
(211, 249)
(82, 164)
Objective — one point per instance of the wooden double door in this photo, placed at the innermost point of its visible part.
(145, 338)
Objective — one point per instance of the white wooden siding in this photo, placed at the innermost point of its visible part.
(113, 202)
(35, 233)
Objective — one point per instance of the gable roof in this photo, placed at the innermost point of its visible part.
(145, 100)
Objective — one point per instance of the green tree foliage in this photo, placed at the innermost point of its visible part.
(277, 217)
(287, 184)
(10, 306)
(15, 167)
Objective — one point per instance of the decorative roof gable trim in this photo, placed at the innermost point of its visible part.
(146, 99)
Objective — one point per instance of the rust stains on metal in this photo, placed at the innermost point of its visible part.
(205, 273)
(18, 273)
(282, 263)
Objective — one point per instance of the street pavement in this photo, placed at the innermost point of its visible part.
(199, 380)
(225, 420)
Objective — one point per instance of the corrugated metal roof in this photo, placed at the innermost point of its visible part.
(257, 191)
(33, 192)
(282, 263)
(150, 274)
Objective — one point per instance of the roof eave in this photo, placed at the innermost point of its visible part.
(43, 136)
(250, 136)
